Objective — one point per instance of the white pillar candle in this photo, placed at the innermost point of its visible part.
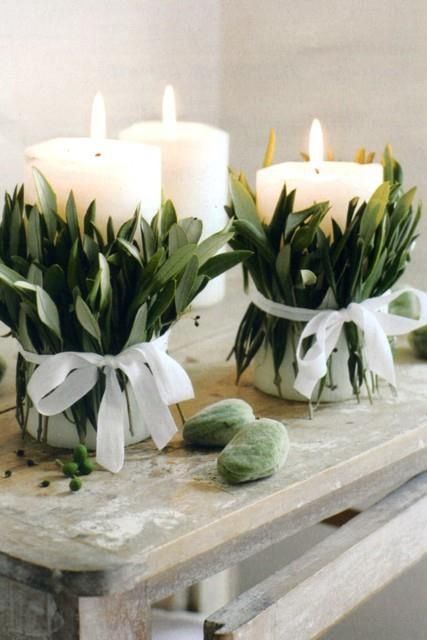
(118, 175)
(317, 181)
(194, 173)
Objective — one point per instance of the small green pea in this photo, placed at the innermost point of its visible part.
(75, 484)
(70, 469)
(80, 453)
(86, 467)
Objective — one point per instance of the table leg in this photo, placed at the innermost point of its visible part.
(27, 613)
(126, 616)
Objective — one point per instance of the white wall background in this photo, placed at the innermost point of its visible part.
(359, 65)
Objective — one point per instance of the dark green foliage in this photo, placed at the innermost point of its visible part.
(295, 263)
(71, 287)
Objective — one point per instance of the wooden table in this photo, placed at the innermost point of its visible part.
(89, 565)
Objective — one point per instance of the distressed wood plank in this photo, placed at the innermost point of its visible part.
(124, 616)
(312, 593)
(29, 614)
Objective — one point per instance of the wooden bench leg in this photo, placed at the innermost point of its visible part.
(27, 613)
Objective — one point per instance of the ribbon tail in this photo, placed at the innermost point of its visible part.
(312, 366)
(152, 409)
(377, 351)
(110, 439)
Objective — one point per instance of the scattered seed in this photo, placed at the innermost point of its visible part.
(44, 483)
(20, 453)
(7, 473)
(31, 463)
(75, 484)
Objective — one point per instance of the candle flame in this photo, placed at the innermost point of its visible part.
(316, 143)
(169, 108)
(98, 126)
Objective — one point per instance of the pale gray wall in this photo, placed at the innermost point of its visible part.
(359, 65)
(55, 54)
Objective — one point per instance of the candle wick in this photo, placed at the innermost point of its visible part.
(97, 155)
(317, 170)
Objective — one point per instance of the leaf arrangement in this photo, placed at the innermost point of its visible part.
(295, 263)
(64, 287)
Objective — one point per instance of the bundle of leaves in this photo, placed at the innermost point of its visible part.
(295, 263)
(69, 288)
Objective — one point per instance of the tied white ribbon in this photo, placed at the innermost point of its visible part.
(370, 316)
(155, 379)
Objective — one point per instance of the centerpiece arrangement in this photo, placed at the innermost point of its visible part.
(317, 323)
(82, 300)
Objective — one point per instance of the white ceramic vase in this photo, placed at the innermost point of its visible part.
(337, 388)
(62, 433)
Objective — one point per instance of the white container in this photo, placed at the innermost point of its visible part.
(337, 389)
(62, 433)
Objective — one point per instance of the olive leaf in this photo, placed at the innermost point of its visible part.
(87, 319)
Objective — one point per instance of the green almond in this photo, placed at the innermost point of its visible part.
(217, 424)
(258, 450)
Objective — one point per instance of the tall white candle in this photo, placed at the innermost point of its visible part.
(194, 172)
(317, 181)
(118, 175)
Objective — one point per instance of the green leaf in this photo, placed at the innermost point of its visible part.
(54, 281)
(192, 228)
(161, 303)
(148, 240)
(24, 336)
(89, 218)
(46, 200)
(35, 275)
(137, 333)
(270, 150)
(260, 240)
(34, 236)
(173, 266)
(131, 249)
(105, 284)
(87, 319)
(72, 218)
(297, 218)
(47, 311)
(244, 204)
(177, 238)
(223, 262)
(212, 245)
(90, 249)
(185, 285)
(9, 276)
(74, 265)
(167, 218)
(374, 211)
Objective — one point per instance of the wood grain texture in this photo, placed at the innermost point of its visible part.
(312, 593)
(168, 519)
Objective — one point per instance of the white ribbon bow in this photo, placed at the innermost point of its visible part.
(155, 379)
(326, 326)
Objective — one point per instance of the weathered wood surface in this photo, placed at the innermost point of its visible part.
(168, 518)
(311, 594)
(30, 614)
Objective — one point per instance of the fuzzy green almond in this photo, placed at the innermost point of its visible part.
(258, 450)
(217, 424)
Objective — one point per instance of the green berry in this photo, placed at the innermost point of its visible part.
(70, 469)
(75, 484)
(80, 454)
(86, 467)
